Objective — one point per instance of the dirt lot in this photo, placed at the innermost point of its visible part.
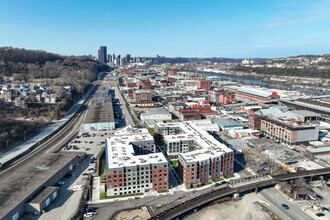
(244, 209)
(133, 215)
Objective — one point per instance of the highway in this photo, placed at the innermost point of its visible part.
(275, 199)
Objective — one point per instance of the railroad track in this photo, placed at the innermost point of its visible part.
(61, 137)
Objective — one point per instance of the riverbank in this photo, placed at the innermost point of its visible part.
(284, 83)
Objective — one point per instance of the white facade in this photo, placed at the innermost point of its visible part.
(99, 126)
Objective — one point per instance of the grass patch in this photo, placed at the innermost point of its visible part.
(137, 115)
(228, 177)
(175, 165)
(104, 195)
(163, 191)
(167, 121)
(207, 183)
(218, 180)
(151, 131)
(102, 165)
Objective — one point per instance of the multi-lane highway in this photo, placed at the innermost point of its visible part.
(275, 200)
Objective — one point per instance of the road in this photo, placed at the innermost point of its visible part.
(275, 200)
(128, 118)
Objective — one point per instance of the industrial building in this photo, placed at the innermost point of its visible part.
(26, 187)
(100, 112)
(256, 94)
(227, 124)
(156, 114)
(129, 169)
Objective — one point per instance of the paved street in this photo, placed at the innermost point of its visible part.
(128, 119)
(275, 200)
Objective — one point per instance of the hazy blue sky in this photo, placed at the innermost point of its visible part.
(188, 28)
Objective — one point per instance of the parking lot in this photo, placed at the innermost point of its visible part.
(315, 200)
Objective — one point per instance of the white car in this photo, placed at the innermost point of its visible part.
(77, 188)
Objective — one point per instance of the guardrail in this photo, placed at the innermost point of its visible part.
(180, 209)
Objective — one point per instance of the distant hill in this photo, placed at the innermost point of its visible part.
(31, 65)
(174, 60)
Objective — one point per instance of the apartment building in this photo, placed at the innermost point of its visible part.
(290, 131)
(203, 84)
(199, 166)
(193, 145)
(142, 96)
(128, 170)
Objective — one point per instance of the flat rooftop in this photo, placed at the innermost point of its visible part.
(120, 151)
(200, 155)
(20, 185)
(191, 131)
(43, 195)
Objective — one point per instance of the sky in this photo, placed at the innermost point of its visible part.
(172, 28)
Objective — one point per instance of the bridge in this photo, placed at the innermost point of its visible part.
(194, 203)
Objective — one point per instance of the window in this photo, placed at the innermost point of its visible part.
(114, 176)
(155, 180)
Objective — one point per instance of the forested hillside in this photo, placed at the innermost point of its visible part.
(33, 65)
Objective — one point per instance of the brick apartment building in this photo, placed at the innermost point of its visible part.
(203, 84)
(171, 80)
(201, 157)
(144, 84)
(130, 84)
(142, 96)
(129, 171)
(290, 131)
(254, 121)
(225, 98)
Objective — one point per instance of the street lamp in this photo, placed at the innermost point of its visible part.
(7, 144)
(24, 136)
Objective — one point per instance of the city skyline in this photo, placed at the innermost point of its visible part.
(168, 28)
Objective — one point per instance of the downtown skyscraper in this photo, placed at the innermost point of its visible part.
(102, 54)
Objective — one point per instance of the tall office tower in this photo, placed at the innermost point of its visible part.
(128, 58)
(138, 59)
(113, 57)
(103, 54)
(122, 61)
(98, 54)
(109, 58)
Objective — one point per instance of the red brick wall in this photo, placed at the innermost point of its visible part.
(162, 184)
(113, 179)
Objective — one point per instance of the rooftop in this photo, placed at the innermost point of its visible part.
(18, 186)
(190, 131)
(227, 122)
(200, 155)
(263, 92)
(120, 151)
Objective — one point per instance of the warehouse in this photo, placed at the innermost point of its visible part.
(227, 124)
(100, 112)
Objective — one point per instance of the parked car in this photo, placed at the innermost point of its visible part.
(285, 206)
(312, 197)
(77, 188)
(319, 214)
(319, 196)
(312, 191)
(61, 183)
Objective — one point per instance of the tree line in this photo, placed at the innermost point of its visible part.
(308, 72)
(29, 65)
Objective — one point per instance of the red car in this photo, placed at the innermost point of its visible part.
(319, 214)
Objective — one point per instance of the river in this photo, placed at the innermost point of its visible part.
(247, 81)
